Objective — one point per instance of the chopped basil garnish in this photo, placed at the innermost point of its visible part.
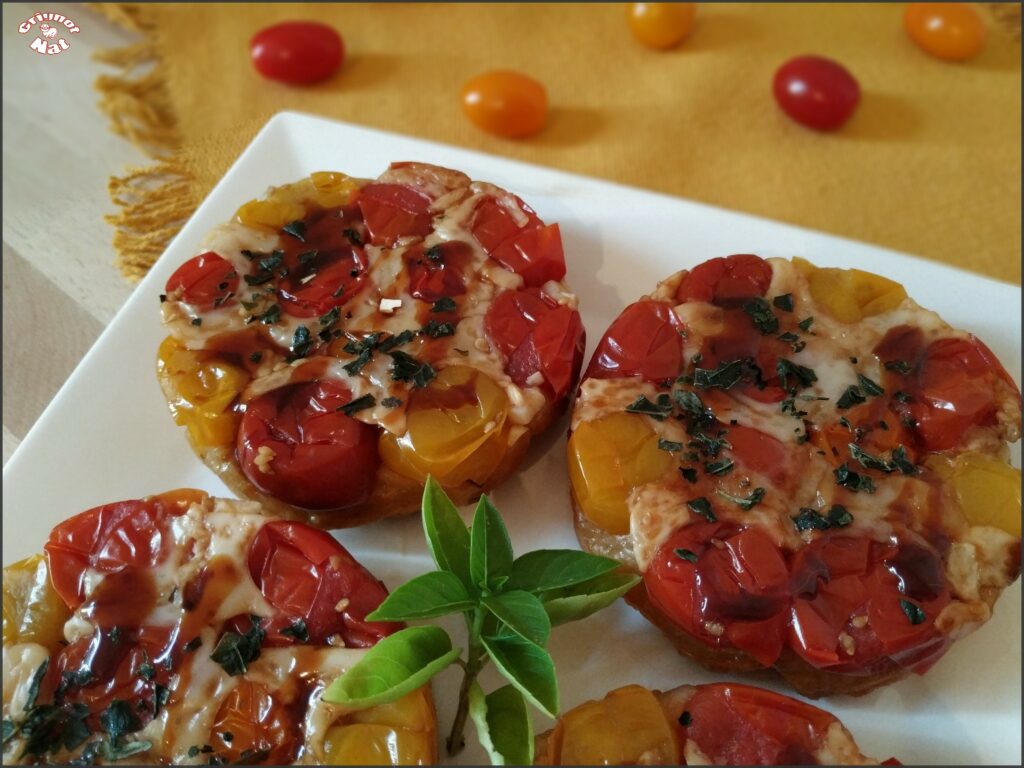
(444, 304)
(719, 468)
(839, 516)
(723, 376)
(9, 729)
(851, 397)
(901, 396)
(118, 719)
(391, 402)
(855, 482)
(688, 473)
(436, 330)
(686, 554)
(701, 506)
(659, 410)
(801, 375)
(761, 315)
(433, 253)
(805, 324)
(746, 504)
(359, 404)
(296, 229)
(396, 340)
(192, 644)
(298, 630)
(868, 461)
(259, 278)
(405, 367)
(669, 445)
(870, 387)
(685, 719)
(709, 446)
(271, 316)
(353, 236)
(330, 318)
(784, 302)
(692, 406)
(146, 670)
(915, 615)
(234, 652)
(901, 367)
(901, 462)
(810, 520)
(197, 321)
(256, 357)
(301, 342)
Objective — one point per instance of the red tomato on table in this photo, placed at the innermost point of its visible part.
(816, 92)
(297, 52)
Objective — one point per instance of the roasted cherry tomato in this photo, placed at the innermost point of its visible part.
(850, 295)
(608, 458)
(536, 335)
(726, 280)
(816, 92)
(988, 490)
(399, 733)
(295, 445)
(306, 574)
(438, 271)
(288, 202)
(950, 31)
(737, 595)
(504, 103)
(645, 340)
(521, 243)
(205, 281)
(392, 211)
(455, 429)
(33, 611)
(250, 721)
(326, 267)
(736, 724)
(111, 538)
(660, 25)
(297, 52)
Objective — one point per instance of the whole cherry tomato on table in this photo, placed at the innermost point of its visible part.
(297, 52)
(816, 92)
(505, 103)
(660, 25)
(950, 31)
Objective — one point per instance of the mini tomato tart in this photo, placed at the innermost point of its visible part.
(715, 724)
(185, 629)
(343, 339)
(810, 471)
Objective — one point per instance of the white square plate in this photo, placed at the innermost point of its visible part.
(107, 435)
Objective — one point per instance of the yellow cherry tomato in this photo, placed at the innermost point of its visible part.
(399, 733)
(608, 458)
(505, 103)
(987, 489)
(286, 203)
(455, 429)
(850, 295)
(949, 31)
(627, 727)
(205, 389)
(660, 25)
(33, 611)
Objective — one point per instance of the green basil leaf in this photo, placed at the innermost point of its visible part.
(397, 665)
(447, 534)
(579, 601)
(554, 568)
(529, 668)
(437, 593)
(521, 612)
(503, 725)
(490, 551)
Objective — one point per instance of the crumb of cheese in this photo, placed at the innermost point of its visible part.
(264, 456)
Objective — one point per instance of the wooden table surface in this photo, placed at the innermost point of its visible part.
(60, 288)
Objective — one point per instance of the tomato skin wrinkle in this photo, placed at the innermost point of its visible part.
(816, 92)
(297, 52)
(206, 281)
(505, 103)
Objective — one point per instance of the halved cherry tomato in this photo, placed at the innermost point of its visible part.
(438, 271)
(392, 211)
(816, 92)
(205, 281)
(110, 538)
(736, 594)
(294, 444)
(250, 721)
(850, 295)
(645, 340)
(305, 573)
(987, 490)
(726, 280)
(660, 25)
(535, 334)
(33, 611)
(531, 249)
(736, 724)
(758, 451)
(950, 31)
(505, 103)
(297, 52)
(327, 267)
(737, 338)
(399, 733)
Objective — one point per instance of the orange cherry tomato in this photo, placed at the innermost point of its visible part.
(949, 31)
(505, 103)
(660, 25)
(252, 726)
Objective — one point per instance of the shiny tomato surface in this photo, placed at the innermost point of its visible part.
(392, 211)
(297, 52)
(949, 31)
(205, 281)
(726, 280)
(519, 242)
(645, 340)
(507, 104)
(660, 25)
(816, 92)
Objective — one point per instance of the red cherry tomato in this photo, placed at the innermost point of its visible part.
(319, 458)
(726, 280)
(438, 271)
(109, 539)
(533, 250)
(205, 281)
(645, 340)
(505, 103)
(305, 573)
(736, 595)
(950, 31)
(758, 451)
(392, 211)
(736, 724)
(326, 268)
(535, 334)
(297, 52)
(816, 92)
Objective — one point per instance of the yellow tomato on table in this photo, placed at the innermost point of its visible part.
(660, 25)
(950, 31)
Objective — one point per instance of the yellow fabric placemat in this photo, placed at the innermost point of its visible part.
(930, 163)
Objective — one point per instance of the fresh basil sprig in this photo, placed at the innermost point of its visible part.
(509, 604)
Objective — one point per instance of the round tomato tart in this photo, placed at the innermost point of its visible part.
(714, 724)
(182, 629)
(343, 339)
(810, 470)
